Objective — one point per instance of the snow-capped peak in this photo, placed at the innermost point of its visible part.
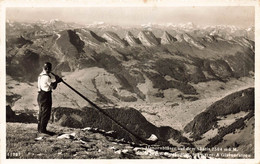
(147, 25)
(42, 21)
(54, 20)
(188, 25)
(99, 23)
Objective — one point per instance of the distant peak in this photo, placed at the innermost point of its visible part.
(54, 21)
(190, 23)
(99, 23)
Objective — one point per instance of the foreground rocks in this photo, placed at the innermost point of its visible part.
(70, 143)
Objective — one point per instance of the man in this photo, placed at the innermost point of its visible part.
(45, 86)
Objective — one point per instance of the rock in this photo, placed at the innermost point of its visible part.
(66, 136)
(114, 39)
(125, 151)
(152, 138)
(73, 134)
(131, 39)
(112, 148)
(167, 38)
(39, 138)
(147, 38)
(84, 139)
(87, 128)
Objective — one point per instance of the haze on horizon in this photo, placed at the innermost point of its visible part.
(240, 16)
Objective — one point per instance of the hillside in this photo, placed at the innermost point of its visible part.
(226, 118)
(188, 85)
(70, 143)
(232, 134)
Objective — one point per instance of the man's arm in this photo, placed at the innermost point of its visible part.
(54, 84)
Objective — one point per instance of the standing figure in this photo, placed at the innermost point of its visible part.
(45, 87)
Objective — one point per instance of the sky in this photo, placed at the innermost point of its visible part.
(242, 16)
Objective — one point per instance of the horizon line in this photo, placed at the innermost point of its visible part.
(122, 25)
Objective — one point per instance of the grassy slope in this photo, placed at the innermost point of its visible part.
(20, 139)
(242, 139)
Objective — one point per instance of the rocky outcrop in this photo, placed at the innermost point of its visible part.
(192, 41)
(220, 69)
(76, 41)
(132, 41)
(147, 38)
(209, 38)
(90, 38)
(179, 37)
(69, 44)
(114, 39)
(245, 43)
(167, 38)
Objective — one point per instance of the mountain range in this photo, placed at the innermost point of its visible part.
(171, 74)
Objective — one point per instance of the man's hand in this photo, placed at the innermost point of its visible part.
(58, 79)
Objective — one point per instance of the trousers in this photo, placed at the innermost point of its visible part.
(44, 100)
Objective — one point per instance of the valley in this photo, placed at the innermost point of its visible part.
(188, 86)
